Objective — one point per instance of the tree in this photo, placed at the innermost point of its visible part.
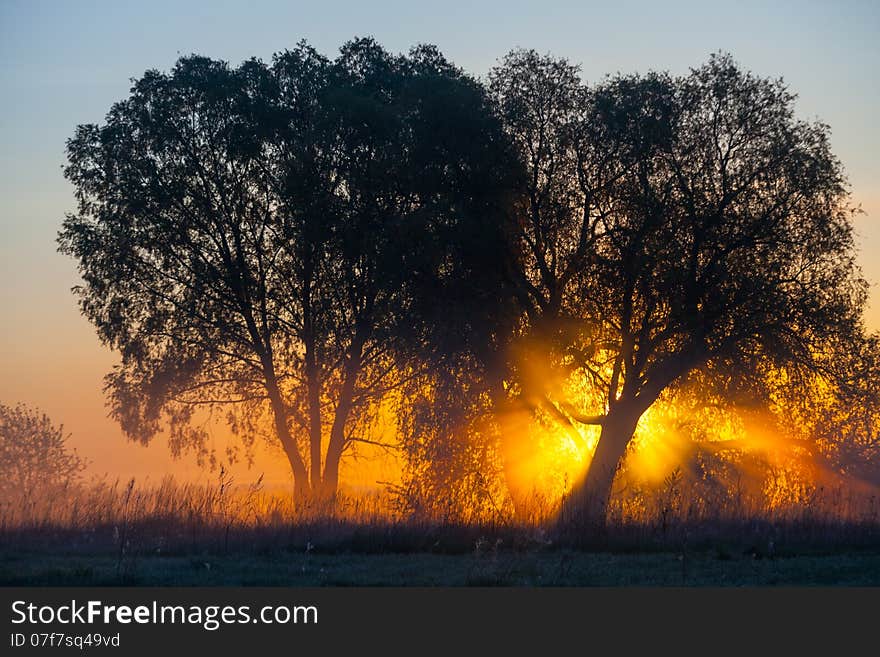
(252, 239)
(717, 237)
(544, 108)
(34, 452)
(842, 414)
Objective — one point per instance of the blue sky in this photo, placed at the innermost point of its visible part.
(65, 63)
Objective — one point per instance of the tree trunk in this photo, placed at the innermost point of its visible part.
(336, 444)
(588, 502)
(313, 382)
(313, 386)
(279, 412)
(331, 468)
(297, 466)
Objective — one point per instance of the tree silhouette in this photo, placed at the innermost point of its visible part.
(33, 453)
(546, 114)
(258, 239)
(843, 418)
(290, 243)
(709, 228)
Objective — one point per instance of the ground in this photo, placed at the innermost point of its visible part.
(550, 568)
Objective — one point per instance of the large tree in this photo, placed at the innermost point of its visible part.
(714, 237)
(256, 239)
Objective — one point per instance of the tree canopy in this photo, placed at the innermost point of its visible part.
(709, 227)
(263, 238)
(291, 244)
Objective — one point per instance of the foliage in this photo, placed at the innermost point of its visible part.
(34, 455)
(262, 240)
(297, 245)
(670, 225)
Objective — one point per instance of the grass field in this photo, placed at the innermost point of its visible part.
(191, 536)
(554, 568)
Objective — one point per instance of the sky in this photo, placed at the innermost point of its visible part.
(65, 63)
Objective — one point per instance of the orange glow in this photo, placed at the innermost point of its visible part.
(659, 446)
(744, 449)
(370, 467)
(545, 454)
(544, 457)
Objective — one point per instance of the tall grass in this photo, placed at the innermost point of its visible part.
(132, 520)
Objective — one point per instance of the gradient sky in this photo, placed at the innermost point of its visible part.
(64, 63)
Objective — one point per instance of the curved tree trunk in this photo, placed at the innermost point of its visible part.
(335, 449)
(297, 466)
(336, 443)
(337, 440)
(587, 506)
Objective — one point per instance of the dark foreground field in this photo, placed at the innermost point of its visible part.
(189, 536)
(552, 568)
